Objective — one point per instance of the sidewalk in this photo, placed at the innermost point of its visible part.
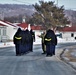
(7, 44)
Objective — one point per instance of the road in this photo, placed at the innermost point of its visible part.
(33, 63)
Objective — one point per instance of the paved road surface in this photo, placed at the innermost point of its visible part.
(33, 63)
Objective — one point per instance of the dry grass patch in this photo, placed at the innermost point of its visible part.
(70, 56)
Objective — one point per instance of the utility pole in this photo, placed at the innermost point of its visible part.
(57, 2)
(2, 15)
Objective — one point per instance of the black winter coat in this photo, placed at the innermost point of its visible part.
(17, 37)
(26, 37)
(50, 35)
(33, 35)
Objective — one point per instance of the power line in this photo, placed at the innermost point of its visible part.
(24, 2)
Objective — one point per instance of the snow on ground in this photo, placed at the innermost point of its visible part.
(38, 41)
(6, 44)
(60, 40)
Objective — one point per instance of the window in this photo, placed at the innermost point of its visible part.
(0, 31)
(59, 35)
(72, 34)
(4, 31)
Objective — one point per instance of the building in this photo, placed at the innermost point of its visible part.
(2, 31)
(7, 30)
(68, 33)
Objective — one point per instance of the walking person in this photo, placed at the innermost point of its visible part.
(17, 41)
(49, 40)
(28, 40)
(43, 44)
(54, 45)
(32, 35)
(25, 41)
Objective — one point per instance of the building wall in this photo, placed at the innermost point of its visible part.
(69, 36)
(10, 32)
(2, 32)
(37, 39)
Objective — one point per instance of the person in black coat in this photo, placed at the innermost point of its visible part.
(25, 46)
(17, 41)
(32, 39)
(49, 41)
(54, 45)
(28, 40)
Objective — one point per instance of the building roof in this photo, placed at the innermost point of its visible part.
(37, 27)
(2, 24)
(6, 23)
(69, 29)
(9, 23)
(23, 25)
(33, 27)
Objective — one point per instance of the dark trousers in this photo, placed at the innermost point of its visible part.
(31, 46)
(49, 49)
(53, 49)
(23, 48)
(17, 46)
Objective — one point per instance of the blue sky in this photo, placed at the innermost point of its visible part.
(68, 4)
